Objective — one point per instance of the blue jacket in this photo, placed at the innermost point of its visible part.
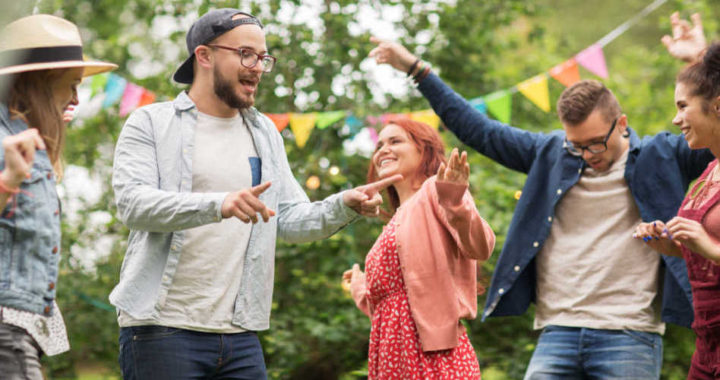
(658, 172)
(30, 237)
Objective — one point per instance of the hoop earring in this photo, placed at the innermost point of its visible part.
(626, 134)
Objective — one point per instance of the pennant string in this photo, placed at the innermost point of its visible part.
(615, 33)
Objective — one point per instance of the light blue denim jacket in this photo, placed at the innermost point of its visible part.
(30, 235)
(152, 179)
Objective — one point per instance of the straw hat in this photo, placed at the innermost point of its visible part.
(41, 42)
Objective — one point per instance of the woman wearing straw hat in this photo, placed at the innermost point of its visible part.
(41, 61)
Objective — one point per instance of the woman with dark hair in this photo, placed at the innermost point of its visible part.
(421, 274)
(694, 233)
(44, 55)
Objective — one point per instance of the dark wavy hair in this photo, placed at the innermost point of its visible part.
(703, 77)
(428, 141)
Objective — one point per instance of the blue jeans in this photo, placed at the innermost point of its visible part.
(583, 353)
(160, 353)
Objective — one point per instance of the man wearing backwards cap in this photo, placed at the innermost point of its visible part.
(190, 178)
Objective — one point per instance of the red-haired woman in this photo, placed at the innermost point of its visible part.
(421, 274)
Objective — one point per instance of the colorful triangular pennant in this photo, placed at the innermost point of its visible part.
(130, 99)
(279, 119)
(479, 104)
(427, 116)
(499, 103)
(566, 73)
(593, 59)
(325, 119)
(536, 89)
(301, 125)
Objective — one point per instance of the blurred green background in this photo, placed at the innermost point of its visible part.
(476, 46)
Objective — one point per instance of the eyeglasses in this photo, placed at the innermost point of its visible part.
(594, 148)
(249, 58)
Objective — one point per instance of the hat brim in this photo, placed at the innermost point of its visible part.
(184, 73)
(91, 67)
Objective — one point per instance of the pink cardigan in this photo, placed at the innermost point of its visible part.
(440, 238)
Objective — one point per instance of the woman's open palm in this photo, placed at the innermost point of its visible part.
(457, 169)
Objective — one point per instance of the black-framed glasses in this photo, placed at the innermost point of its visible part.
(249, 58)
(594, 148)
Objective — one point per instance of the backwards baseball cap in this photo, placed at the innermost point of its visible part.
(208, 27)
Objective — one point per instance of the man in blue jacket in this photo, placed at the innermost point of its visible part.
(602, 298)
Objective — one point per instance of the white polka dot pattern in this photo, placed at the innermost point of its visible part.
(395, 351)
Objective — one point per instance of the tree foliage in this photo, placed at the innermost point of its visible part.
(476, 46)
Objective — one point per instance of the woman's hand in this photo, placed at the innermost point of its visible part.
(655, 235)
(349, 275)
(692, 235)
(687, 43)
(392, 53)
(19, 156)
(457, 169)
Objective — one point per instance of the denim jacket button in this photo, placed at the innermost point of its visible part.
(47, 309)
(51, 286)
(516, 268)
(55, 250)
(49, 175)
(57, 212)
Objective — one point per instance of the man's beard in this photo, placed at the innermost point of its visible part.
(224, 90)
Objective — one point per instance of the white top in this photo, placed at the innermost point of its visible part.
(207, 280)
(48, 332)
(591, 272)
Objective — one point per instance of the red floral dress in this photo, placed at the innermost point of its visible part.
(395, 351)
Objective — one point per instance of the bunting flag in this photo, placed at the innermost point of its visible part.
(130, 99)
(301, 125)
(566, 73)
(97, 83)
(148, 97)
(536, 89)
(479, 104)
(279, 119)
(427, 116)
(499, 104)
(114, 89)
(373, 120)
(326, 119)
(373, 134)
(354, 124)
(593, 59)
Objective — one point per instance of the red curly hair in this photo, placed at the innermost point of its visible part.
(428, 141)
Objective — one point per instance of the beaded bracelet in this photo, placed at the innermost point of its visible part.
(412, 68)
(422, 74)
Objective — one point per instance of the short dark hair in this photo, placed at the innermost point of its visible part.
(703, 77)
(578, 101)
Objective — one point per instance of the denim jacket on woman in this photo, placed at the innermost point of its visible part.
(152, 179)
(29, 233)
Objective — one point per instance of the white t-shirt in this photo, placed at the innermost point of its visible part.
(591, 272)
(207, 280)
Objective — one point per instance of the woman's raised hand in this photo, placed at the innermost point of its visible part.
(687, 42)
(457, 169)
(392, 53)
